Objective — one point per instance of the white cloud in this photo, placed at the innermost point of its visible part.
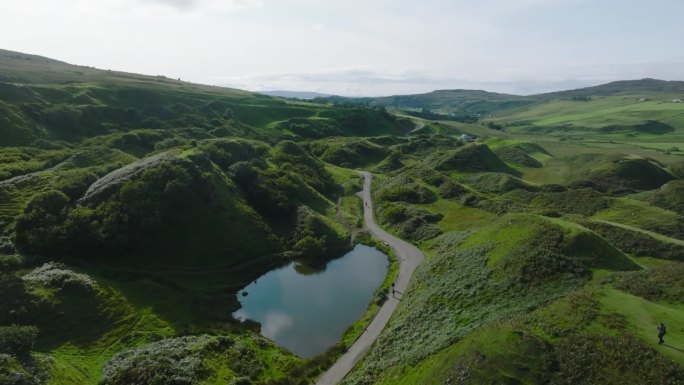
(357, 46)
(274, 323)
(378, 82)
(126, 8)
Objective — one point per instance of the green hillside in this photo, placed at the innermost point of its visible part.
(133, 209)
(461, 103)
(539, 248)
(46, 99)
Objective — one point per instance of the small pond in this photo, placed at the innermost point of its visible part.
(307, 311)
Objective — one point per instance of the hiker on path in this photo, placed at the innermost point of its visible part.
(661, 333)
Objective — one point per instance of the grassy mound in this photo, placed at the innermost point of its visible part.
(391, 163)
(496, 183)
(345, 121)
(561, 201)
(408, 221)
(531, 248)
(424, 145)
(473, 158)
(624, 174)
(581, 201)
(670, 196)
(642, 216)
(348, 153)
(638, 243)
(516, 155)
(519, 153)
(403, 188)
(517, 263)
(180, 208)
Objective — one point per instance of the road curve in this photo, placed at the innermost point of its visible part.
(409, 258)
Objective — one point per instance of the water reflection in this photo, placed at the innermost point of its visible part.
(306, 311)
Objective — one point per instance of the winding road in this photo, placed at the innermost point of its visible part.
(409, 258)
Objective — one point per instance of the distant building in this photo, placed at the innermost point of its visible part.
(467, 138)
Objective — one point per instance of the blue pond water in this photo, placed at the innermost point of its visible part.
(307, 313)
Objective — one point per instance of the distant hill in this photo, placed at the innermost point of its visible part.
(446, 102)
(480, 103)
(624, 87)
(306, 95)
(17, 67)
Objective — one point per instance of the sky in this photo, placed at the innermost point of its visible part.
(360, 47)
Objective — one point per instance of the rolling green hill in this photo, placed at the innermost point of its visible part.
(447, 102)
(643, 108)
(42, 98)
(134, 208)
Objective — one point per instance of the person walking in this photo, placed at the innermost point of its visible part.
(662, 330)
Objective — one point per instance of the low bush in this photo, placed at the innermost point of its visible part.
(610, 360)
(670, 197)
(452, 190)
(193, 359)
(58, 276)
(176, 361)
(660, 283)
(13, 372)
(17, 340)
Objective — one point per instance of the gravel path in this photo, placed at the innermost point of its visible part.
(409, 257)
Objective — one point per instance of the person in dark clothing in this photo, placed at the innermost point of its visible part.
(661, 333)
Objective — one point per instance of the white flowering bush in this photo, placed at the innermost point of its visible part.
(169, 361)
(58, 276)
(177, 361)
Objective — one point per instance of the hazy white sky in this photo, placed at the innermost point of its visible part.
(360, 47)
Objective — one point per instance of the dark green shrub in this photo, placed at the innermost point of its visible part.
(74, 183)
(37, 227)
(17, 340)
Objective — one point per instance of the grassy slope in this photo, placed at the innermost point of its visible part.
(526, 348)
(66, 126)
